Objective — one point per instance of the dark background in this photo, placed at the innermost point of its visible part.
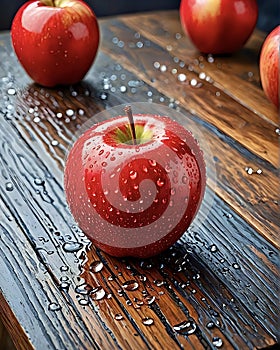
(269, 10)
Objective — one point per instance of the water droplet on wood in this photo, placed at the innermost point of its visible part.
(98, 293)
(149, 299)
(39, 182)
(148, 321)
(130, 285)
(187, 327)
(9, 186)
(64, 268)
(216, 341)
(72, 247)
(213, 248)
(236, 266)
(118, 317)
(65, 286)
(11, 91)
(69, 112)
(54, 307)
(210, 325)
(182, 77)
(83, 289)
(83, 302)
(96, 266)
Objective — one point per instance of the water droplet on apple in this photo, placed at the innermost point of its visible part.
(152, 162)
(145, 169)
(184, 179)
(133, 174)
(160, 182)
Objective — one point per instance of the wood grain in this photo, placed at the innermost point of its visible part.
(217, 285)
(243, 66)
(240, 123)
(257, 204)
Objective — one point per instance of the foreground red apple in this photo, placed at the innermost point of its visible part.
(218, 26)
(135, 199)
(269, 66)
(55, 40)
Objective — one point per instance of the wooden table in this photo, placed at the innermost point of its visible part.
(218, 286)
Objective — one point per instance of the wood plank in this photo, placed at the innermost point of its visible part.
(48, 247)
(243, 66)
(234, 287)
(239, 123)
(258, 205)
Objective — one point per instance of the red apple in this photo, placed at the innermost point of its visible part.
(135, 199)
(218, 26)
(269, 66)
(55, 40)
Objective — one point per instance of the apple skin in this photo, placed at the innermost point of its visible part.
(56, 45)
(269, 66)
(135, 200)
(218, 26)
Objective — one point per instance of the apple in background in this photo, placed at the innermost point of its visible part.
(218, 26)
(269, 66)
(135, 195)
(55, 40)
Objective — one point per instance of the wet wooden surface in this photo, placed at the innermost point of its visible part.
(218, 286)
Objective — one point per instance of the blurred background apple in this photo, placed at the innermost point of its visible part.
(269, 66)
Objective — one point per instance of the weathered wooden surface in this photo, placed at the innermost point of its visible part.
(218, 286)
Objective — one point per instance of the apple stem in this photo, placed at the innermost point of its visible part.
(129, 114)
